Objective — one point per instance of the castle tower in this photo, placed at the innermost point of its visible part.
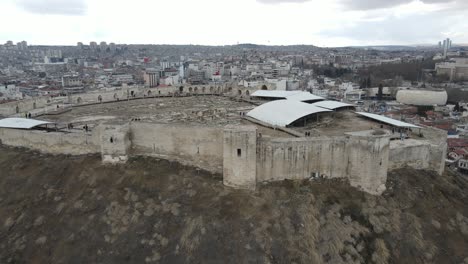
(240, 157)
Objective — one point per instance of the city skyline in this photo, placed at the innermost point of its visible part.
(208, 22)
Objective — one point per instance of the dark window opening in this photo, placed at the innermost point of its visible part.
(239, 152)
(111, 140)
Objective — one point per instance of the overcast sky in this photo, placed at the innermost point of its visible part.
(224, 22)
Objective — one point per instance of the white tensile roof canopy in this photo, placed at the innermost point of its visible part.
(304, 97)
(386, 120)
(299, 96)
(284, 112)
(332, 105)
(273, 94)
(21, 123)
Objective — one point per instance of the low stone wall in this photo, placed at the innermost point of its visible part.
(51, 142)
(23, 106)
(18, 108)
(141, 92)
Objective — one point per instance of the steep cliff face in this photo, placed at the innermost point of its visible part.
(64, 209)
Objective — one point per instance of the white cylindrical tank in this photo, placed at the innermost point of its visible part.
(422, 97)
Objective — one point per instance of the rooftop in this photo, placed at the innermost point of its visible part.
(388, 121)
(284, 112)
(332, 105)
(21, 123)
(299, 96)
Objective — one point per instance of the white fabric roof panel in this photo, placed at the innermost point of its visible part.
(290, 95)
(332, 105)
(22, 123)
(387, 120)
(274, 94)
(283, 112)
(304, 96)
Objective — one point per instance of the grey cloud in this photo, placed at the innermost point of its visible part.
(368, 4)
(54, 7)
(377, 4)
(282, 1)
(415, 29)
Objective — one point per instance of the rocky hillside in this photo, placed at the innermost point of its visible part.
(62, 209)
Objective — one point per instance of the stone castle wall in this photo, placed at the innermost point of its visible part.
(239, 153)
(301, 158)
(243, 157)
(23, 106)
(193, 145)
(368, 154)
(115, 142)
(52, 142)
(240, 157)
(48, 104)
(361, 157)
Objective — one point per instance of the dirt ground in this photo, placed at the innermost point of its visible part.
(338, 123)
(64, 209)
(204, 110)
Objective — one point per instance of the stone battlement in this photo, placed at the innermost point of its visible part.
(240, 154)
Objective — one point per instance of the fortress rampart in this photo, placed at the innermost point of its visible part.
(41, 105)
(240, 154)
(244, 156)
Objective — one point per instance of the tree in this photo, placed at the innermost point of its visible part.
(368, 82)
(380, 92)
(457, 107)
(422, 110)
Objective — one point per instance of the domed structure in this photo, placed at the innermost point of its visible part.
(422, 97)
